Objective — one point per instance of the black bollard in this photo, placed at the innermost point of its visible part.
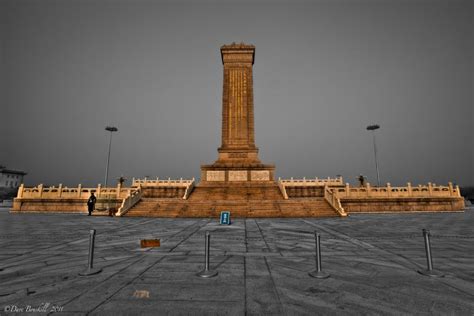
(207, 273)
(318, 273)
(429, 260)
(90, 264)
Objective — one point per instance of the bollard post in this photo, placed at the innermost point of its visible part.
(207, 273)
(318, 273)
(90, 263)
(429, 260)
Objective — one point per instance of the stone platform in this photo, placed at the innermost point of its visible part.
(263, 265)
(242, 200)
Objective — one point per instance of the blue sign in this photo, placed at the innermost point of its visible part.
(225, 218)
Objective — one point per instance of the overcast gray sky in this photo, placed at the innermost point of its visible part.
(323, 71)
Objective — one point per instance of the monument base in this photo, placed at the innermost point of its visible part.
(237, 173)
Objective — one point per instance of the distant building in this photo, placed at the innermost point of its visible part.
(10, 180)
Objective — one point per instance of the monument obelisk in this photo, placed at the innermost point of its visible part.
(238, 156)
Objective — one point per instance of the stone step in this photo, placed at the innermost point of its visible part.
(304, 207)
(264, 192)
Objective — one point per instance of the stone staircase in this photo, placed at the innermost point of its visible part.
(264, 191)
(158, 207)
(242, 200)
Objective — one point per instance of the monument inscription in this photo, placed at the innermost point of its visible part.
(238, 175)
(215, 175)
(260, 175)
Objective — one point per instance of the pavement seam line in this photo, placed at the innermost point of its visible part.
(126, 284)
(108, 278)
(274, 286)
(261, 233)
(187, 237)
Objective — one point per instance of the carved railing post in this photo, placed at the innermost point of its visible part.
(430, 188)
(60, 190)
(410, 192)
(389, 189)
(19, 194)
(98, 190)
(367, 188)
(79, 189)
(40, 190)
(348, 190)
(119, 188)
(451, 190)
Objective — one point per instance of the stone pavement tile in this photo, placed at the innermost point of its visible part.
(262, 297)
(172, 266)
(351, 282)
(99, 293)
(256, 266)
(372, 260)
(52, 285)
(229, 277)
(211, 291)
(394, 293)
(58, 296)
(172, 307)
(61, 277)
(200, 258)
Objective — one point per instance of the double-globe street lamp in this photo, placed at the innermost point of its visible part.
(373, 128)
(110, 129)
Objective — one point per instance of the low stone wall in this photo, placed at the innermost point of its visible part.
(62, 199)
(171, 192)
(59, 205)
(401, 205)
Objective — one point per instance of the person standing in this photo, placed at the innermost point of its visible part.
(91, 203)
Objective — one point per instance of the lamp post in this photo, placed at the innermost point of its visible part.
(373, 128)
(110, 129)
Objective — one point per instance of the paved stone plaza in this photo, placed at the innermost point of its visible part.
(263, 265)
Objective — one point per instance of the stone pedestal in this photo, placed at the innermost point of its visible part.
(237, 173)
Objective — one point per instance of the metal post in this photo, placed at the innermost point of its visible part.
(90, 263)
(376, 163)
(108, 160)
(318, 273)
(207, 273)
(429, 260)
(110, 129)
(373, 128)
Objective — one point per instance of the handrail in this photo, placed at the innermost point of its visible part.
(131, 200)
(282, 189)
(63, 192)
(312, 182)
(188, 191)
(408, 191)
(334, 201)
